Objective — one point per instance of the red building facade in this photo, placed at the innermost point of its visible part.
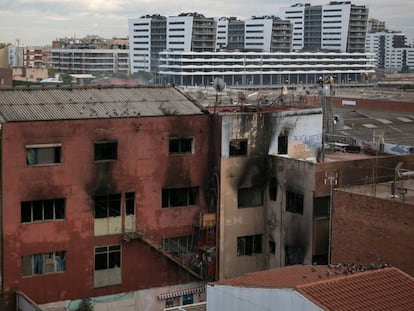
(77, 191)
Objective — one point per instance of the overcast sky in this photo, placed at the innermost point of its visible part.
(38, 22)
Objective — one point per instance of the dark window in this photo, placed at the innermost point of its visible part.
(294, 202)
(238, 147)
(130, 203)
(106, 150)
(273, 189)
(272, 247)
(294, 255)
(250, 197)
(42, 210)
(181, 145)
(43, 155)
(321, 207)
(249, 245)
(44, 263)
(179, 197)
(179, 245)
(107, 206)
(188, 299)
(107, 257)
(282, 144)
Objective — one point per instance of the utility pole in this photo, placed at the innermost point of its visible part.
(331, 178)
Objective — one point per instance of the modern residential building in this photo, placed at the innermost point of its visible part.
(104, 187)
(147, 38)
(391, 50)
(230, 34)
(262, 68)
(315, 288)
(375, 25)
(267, 34)
(89, 60)
(337, 26)
(35, 57)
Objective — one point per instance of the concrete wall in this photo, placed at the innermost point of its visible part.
(231, 298)
(143, 166)
(371, 230)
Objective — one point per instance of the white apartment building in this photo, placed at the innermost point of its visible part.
(262, 68)
(338, 26)
(89, 61)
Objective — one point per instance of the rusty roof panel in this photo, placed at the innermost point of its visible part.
(61, 103)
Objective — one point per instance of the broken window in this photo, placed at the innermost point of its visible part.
(321, 207)
(272, 247)
(130, 203)
(106, 150)
(42, 210)
(250, 197)
(249, 245)
(179, 197)
(282, 144)
(107, 257)
(181, 145)
(179, 245)
(238, 147)
(107, 205)
(43, 154)
(294, 202)
(44, 263)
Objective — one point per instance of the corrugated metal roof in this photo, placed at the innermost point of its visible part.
(65, 103)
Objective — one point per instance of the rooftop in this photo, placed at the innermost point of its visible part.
(338, 287)
(103, 102)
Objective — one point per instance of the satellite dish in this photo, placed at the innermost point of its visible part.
(219, 84)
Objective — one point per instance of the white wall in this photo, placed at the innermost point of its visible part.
(230, 298)
(139, 44)
(255, 28)
(330, 19)
(179, 32)
(222, 35)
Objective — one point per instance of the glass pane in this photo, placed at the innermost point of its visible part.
(114, 259)
(48, 209)
(101, 261)
(178, 197)
(27, 265)
(114, 205)
(130, 203)
(60, 208)
(60, 261)
(37, 210)
(26, 211)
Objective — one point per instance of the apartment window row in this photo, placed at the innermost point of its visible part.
(42, 210)
(109, 205)
(103, 150)
(176, 197)
(38, 264)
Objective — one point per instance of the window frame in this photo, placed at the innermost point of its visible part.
(35, 268)
(108, 201)
(248, 192)
(24, 205)
(108, 253)
(100, 155)
(57, 154)
(243, 249)
(293, 200)
(180, 145)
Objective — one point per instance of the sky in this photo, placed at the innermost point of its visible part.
(39, 22)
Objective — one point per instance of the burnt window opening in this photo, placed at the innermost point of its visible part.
(294, 202)
(294, 255)
(179, 245)
(249, 245)
(106, 150)
(107, 257)
(44, 263)
(238, 147)
(50, 154)
(130, 203)
(42, 210)
(181, 145)
(282, 144)
(273, 189)
(321, 207)
(249, 197)
(107, 205)
(176, 197)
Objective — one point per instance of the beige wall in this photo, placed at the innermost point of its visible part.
(4, 55)
(30, 74)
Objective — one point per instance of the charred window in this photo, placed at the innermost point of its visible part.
(106, 150)
(250, 197)
(179, 245)
(181, 145)
(282, 144)
(130, 203)
(179, 197)
(273, 189)
(44, 154)
(42, 210)
(44, 263)
(272, 247)
(249, 245)
(238, 147)
(294, 202)
(107, 257)
(107, 205)
(321, 207)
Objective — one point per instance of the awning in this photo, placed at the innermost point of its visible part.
(182, 292)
